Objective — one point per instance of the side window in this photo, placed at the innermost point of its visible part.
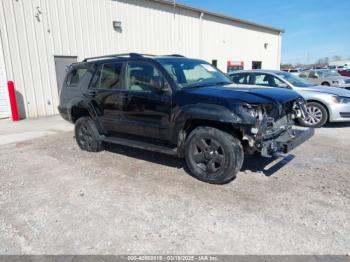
(240, 79)
(140, 75)
(259, 79)
(263, 80)
(111, 76)
(75, 76)
(312, 74)
(278, 82)
(95, 82)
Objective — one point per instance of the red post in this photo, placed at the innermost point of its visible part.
(13, 102)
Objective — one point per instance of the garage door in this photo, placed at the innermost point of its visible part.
(4, 104)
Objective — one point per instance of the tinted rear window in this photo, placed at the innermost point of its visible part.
(75, 76)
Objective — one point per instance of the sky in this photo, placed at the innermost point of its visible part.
(314, 28)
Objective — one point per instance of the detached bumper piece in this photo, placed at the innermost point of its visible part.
(286, 142)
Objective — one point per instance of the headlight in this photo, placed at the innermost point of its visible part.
(341, 100)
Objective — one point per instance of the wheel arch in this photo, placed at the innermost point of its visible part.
(193, 123)
(81, 108)
(77, 112)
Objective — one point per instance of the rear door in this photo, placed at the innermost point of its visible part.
(106, 94)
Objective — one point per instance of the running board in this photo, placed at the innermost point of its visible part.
(141, 145)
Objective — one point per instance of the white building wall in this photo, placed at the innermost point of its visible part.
(225, 40)
(34, 31)
(4, 101)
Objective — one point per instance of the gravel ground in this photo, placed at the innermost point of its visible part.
(56, 199)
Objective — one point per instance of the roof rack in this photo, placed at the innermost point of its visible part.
(131, 55)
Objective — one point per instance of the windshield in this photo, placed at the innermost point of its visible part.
(327, 73)
(294, 80)
(189, 73)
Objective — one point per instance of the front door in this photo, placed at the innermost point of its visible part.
(145, 111)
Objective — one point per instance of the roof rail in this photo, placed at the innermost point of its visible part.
(131, 55)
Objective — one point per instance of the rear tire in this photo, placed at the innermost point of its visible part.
(325, 84)
(87, 136)
(213, 156)
(318, 115)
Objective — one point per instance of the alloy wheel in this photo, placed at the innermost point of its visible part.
(209, 155)
(85, 137)
(314, 115)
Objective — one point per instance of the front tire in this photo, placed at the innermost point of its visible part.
(213, 156)
(87, 135)
(318, 115)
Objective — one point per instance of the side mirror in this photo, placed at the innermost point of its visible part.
(158, 84)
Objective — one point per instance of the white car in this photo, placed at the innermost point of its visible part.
(293, 71)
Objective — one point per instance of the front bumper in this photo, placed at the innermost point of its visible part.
(286, 142)
(339, 113)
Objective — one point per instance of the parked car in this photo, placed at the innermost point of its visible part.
(325, 104)
(179, 106)
(345, 72)
(326, 77)
(293, 71)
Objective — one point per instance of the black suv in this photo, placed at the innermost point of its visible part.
(179, 106)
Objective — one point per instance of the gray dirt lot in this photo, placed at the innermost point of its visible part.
(56, 199)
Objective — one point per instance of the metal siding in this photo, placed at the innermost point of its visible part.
(4, 103)
(84, 28)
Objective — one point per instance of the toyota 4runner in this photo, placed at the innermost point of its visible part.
(179, 106)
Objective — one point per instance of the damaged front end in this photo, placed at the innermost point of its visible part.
(274, 132)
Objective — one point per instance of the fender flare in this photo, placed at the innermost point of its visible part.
(81, 103)
(210, 112)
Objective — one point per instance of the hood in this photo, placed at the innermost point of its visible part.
(251, 95)
(325, 90)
